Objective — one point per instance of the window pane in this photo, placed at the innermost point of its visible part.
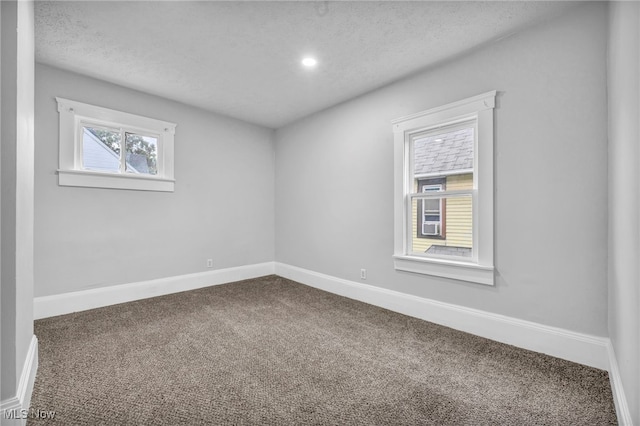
(141, 154)
(431, 206)
(101, 149)
(444, 153)
(448, 234)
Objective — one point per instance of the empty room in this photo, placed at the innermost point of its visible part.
(320, 212)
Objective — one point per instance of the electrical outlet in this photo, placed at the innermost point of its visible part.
(209, 263)
(363, 274)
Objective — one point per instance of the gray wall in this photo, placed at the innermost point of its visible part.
(333, 187)
(624, 189)
(334, 195)
(17, 187)
(222, 207)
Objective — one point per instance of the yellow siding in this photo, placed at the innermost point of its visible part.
(459, 213)
(458, 217)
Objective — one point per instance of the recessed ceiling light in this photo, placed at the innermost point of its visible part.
(309, 62)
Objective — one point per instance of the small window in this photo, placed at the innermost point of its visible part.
(431, 213)
(104, 148)
(444, 191)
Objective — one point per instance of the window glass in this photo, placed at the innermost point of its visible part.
(101, 148)
(141, 155)
(445, 228)
(443, 161)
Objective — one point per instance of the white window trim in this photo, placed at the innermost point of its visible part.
(70, 171)
(480, 269)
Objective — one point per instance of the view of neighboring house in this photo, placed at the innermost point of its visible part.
(98, 156)
(443, 162)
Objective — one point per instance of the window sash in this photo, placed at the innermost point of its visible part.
(469, 121)
(80, 141)
(442, 195)
(142, 135)
(83, 122)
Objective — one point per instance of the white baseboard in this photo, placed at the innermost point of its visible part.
(622, 409)
(66, 303)
(576, 347)
(14, 411)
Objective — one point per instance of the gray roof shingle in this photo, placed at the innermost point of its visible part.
(446, 152)
(449, 250)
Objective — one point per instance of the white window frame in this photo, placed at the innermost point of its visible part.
(74, 115)
(479, 268)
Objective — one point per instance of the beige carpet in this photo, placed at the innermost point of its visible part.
(272, 351)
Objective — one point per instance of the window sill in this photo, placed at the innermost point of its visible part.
(462, 271)
(91, 179)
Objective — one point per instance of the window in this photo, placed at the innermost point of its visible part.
(431, 213)
(443, 167)
(104, 148)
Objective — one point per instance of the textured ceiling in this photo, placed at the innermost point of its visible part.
(242, 59)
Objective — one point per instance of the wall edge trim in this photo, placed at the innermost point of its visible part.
(66, 303)
(22, 400)
(619, 398)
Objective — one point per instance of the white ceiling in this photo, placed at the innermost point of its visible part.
(242, 59)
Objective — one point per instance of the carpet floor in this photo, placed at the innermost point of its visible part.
(273, 351)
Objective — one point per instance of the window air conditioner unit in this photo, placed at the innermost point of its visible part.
(430, 228)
